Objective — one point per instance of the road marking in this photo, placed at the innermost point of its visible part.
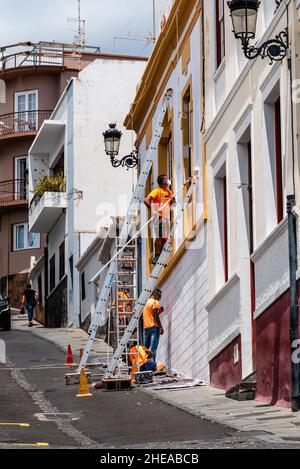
(6, 424)
(26, 444)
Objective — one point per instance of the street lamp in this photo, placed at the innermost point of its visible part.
(244, 19)
(112, 140)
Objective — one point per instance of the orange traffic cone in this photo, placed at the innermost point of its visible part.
(84, 388)
(70, 360)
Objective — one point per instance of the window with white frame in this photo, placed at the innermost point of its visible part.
(274, 164)
(26, 106)
(221, 225)
(220, 31)
(23, 239)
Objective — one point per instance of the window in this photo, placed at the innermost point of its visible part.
(221, 226)
(52, 273)
(220, 31)
(187, 135)
(21, 178)
(22, 239)
(278, 161)
(187, 141)
(273, 177)
(26, 106)
(83, 295)
(61, 260)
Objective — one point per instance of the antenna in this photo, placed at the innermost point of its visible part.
(79, 38)
(147, 39)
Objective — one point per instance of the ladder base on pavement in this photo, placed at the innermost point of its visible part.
(116, 384)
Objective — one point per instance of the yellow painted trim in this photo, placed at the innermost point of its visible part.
(186, 55)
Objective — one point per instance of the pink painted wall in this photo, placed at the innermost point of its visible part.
(224, 374)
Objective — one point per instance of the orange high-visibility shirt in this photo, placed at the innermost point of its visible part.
(159, 198)
(122, 304)
(148, 313)
(141, 359)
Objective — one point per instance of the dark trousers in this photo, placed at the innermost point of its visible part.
(151, 339)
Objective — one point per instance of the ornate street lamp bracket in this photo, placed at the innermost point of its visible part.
(275, 49)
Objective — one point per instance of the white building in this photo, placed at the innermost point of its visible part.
(71, 143)
(249, 175)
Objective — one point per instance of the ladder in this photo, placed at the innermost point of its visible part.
(125, 294)
(147, 291)
(100, 316)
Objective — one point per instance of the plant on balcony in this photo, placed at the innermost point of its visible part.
(50, 184)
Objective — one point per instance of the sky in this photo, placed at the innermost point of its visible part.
(46, 20)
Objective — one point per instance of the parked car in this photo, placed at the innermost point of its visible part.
(5, 314)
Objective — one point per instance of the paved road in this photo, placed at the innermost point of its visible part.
(33, 392)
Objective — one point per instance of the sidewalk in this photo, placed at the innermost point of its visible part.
(270, 424)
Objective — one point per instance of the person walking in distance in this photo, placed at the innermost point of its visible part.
(152, 326)
(30, 298)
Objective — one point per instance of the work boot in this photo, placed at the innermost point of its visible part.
(30, 324)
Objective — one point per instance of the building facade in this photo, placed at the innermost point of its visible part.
(176, 65)
(74, 190)
(250, 173)
(33, 78)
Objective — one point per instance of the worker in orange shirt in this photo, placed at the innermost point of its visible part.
(143, 358)
(159, 201)
(152, 326)
(124, 304)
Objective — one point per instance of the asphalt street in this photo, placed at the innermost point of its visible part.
(38, 410)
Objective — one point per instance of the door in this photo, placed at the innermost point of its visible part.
(26, 106)
(21, 176)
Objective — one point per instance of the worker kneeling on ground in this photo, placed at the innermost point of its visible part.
(159, 202)
(143, 358)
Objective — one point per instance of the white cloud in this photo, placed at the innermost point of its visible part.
(36, 20)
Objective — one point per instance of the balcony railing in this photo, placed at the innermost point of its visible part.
(41, 54)
(13, 192)
(34, 58)
(22, 122)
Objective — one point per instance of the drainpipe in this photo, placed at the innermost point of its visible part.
(294, 321)
(46, 279)
(293, 258)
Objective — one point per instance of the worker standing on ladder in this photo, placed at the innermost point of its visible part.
(152, 326)
(159, 202)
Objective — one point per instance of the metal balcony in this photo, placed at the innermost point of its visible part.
(20, 124)
(13, 194)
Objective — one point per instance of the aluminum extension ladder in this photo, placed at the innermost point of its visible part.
(100, 316)
(115, 362)
(122, 308)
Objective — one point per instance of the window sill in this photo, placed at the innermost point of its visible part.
(222, 291)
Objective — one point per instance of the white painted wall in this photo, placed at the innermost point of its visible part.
(102, 94)
(248, 89)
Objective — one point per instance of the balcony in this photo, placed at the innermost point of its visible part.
(22, 124)
(47, 205)
(13, 194)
